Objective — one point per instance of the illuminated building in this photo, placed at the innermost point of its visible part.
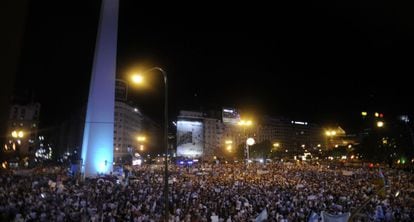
(209, 133)
(23, 126)
(129, 123)
(213, 131)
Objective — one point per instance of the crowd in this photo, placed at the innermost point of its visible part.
(232, 192)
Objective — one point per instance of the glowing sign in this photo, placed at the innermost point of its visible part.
(230, 116)
(136, 162)
(250, 141)
(299, 123)
(189, 122)
(190, 136)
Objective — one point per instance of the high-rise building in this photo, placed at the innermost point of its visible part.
(275, 130)
(127, 127)
(22, 128)
(121, 90)
(134, 132)
(213, 130)
(305, 136)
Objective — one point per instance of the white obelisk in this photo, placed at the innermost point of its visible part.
(97, 147)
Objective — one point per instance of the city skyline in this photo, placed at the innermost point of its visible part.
(326, 69)
(197, 112)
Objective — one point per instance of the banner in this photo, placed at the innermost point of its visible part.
(335, 218)
(23, 172)
(347, 173)
(260, 172)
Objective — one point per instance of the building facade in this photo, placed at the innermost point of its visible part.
(213, 131)
(128, 126)
(275, 130)
(22, 128)
(202, 135)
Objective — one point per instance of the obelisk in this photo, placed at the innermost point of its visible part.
(97, 147)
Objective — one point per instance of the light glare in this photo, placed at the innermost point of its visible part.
(137, 79)
(380, 124)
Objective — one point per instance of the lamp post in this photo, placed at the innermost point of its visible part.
(244, 124)
(138, 78)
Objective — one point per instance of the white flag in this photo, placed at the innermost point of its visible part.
(335, 218)
(262, 216)
(214, 218)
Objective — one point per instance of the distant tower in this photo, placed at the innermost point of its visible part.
(97, 147)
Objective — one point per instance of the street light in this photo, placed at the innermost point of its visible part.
(229, 146)
(139, 79)
(249, 142)
(141, 138)
(330, 132)
(17, 134)
(329, 136)
(380, 124)
(245, 123)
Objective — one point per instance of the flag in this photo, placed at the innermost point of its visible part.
(382, 184)
(381, 175)
(379, 214)
(314, 217)
(335, 218)
(262, 216)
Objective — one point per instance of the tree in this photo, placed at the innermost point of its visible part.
(261, 150)
(387, 144)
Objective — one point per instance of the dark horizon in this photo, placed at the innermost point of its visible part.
(322, 64)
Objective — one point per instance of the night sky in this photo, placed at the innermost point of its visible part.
(317, 62)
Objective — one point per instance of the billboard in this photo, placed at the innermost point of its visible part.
(190, 138)
(230, 116)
